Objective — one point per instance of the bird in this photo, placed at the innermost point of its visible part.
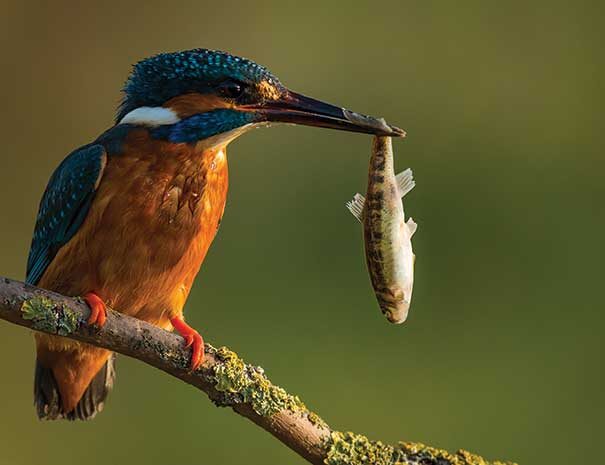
(125, 221)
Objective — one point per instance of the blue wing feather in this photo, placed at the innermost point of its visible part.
(64, 206)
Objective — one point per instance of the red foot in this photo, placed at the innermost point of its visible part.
(98, 309)
(193, 339)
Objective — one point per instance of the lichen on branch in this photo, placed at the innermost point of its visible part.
(50, 317)
(248, 384)
(355, 449)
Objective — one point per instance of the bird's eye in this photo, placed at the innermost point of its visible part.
(230, 89)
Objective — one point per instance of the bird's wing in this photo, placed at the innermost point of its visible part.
(64, 206)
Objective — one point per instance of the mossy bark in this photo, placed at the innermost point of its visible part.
(355, 449)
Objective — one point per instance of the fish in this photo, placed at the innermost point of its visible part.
(387, 235)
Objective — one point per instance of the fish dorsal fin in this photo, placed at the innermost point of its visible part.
(356, 205)
(405, 182)
(412, 226)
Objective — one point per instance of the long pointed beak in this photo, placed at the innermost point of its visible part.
(299, 109)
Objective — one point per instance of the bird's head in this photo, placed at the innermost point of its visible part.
(200, 94)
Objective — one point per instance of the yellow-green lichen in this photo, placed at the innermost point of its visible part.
(355, 449)
(49, 317)
(248, 384)
(427, 453)
(439, 456)
(316, 420)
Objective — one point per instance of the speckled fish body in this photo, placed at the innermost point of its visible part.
(387, 236)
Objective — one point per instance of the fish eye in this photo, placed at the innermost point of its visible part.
(230, 89)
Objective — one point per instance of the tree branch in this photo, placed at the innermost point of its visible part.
(224, 377)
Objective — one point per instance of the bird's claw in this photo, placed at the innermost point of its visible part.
(188, 340)
(98, 309)
(192, 339)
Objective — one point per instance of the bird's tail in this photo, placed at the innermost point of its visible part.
(48, 397)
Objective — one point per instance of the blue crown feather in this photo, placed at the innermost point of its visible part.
(155, 80)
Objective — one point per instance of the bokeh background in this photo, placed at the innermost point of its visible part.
(502, 353)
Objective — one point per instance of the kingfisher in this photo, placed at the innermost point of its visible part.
(125, 221)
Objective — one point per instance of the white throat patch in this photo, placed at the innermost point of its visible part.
(150, 116)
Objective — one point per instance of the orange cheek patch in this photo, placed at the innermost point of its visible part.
(192, 104)
(268, 90)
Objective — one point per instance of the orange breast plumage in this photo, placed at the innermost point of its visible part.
(152, 221)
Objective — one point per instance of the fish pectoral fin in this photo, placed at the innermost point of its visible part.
(412, 226)
(356, 205)
(405, 182)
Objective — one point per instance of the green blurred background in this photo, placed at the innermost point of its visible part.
(502, 352)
